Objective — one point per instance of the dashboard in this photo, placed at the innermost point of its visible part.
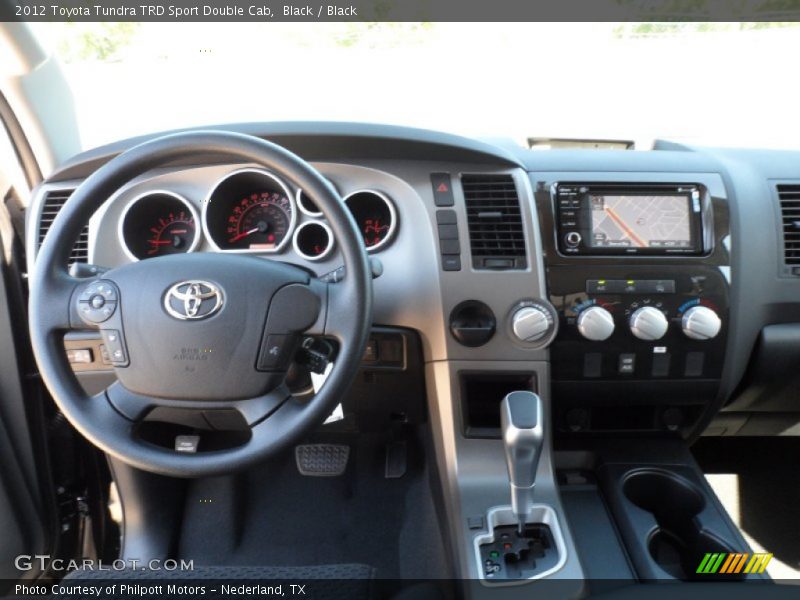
(245, 210)
(627, 286)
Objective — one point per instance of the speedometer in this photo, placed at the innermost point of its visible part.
(249, 211)
(259, 221)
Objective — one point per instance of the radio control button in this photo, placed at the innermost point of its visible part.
(648, 323)
(572, 239)
(595, 323)
(701, 323)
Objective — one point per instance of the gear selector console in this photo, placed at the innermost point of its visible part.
(518, 556)
(524, 540)
(505, 555)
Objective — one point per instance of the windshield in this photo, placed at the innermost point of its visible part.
(712, 84)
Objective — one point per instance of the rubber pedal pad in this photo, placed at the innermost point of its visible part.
(321, 460)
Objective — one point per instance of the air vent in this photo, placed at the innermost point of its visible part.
(53, 203)
(496, 233)
(789, 196)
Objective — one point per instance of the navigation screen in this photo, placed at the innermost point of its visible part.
(640, 221)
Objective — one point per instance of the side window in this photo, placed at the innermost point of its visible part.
(14, 194)
(12, 177)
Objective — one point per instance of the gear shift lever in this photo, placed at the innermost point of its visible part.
(523, 435)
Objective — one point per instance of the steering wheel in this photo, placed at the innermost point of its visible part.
(211, 332)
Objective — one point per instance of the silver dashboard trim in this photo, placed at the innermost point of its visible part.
(302, 208)
(328, 248)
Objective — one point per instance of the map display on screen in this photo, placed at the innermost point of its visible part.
(640, 221)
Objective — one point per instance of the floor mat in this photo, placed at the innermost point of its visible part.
(758, 482)
(272, 515)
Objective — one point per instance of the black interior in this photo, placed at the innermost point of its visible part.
(625, 414)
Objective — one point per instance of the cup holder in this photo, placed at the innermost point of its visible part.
(679, 543)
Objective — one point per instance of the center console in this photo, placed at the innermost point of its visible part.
(638, 273)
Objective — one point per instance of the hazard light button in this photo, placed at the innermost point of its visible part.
(442, 189)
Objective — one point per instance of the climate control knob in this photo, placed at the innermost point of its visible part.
(701, 323)
(595, 323)
(531, 323)
(648, 323)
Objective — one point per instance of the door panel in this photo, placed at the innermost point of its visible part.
(22, 516)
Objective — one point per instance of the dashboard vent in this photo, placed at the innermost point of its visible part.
(53, 203)
(496, 232)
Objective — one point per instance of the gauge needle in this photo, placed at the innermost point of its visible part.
(244, 234)
(159, 242)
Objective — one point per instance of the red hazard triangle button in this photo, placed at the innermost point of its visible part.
(442, 190)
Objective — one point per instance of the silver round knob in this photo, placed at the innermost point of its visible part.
(530, 323)
(595, 323)
(701, 323)
(573, 238)
(649, 323)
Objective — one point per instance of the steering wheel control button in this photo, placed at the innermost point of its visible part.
(115, 347)
(95, 316)
(97, 302)
(104, 289)
(276, 352)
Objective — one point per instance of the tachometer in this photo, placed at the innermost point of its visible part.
(249, 210)
(158, 223)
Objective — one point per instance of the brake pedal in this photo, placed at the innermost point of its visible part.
(321, 460)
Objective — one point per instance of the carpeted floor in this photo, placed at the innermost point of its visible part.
(758, 482)
(274, 516)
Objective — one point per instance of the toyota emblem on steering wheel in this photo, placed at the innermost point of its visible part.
(193, 300)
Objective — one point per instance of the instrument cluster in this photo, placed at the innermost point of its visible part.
(249, 210)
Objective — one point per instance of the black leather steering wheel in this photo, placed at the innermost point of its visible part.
(212, 332)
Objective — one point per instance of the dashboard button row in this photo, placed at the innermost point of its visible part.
(626, 364)
(449, 243)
